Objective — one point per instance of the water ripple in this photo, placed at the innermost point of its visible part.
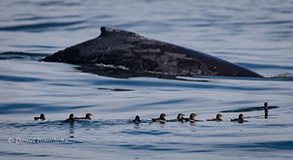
(23, 55)
(39, 27)
(149, 132)
(36, 108)
(18, 79)
(278, 145)
(249, 109)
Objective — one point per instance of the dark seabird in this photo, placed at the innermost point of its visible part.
(71, 118)
(191, 117)
(161, 119)
(137, 119)
(218, 118)
(42, 117)
(180, 117)
(240, 119)
(266, 108)
(87, 116)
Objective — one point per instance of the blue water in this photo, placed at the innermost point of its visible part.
(255, 34)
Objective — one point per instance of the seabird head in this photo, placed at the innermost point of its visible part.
(219, 116)
(88, 115)
(193, 115)
(42, 116)
(71, 116)
(180, 116)
(163, 115)
(241, 116)
(137, 118)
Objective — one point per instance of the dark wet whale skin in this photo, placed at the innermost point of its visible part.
(140, 54)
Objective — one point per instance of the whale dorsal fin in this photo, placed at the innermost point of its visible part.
(105, 31)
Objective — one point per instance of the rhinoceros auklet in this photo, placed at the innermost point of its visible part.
(191, 117)
(266, 108)
(218, 118)
(161, 119)
(42, 117)
(137, 119)
(71, 118)
(240, 119)
(87, 116)
(180, 117)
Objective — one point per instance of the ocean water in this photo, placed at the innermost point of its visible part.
(255, 34)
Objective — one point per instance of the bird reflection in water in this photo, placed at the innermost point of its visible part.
(71, 130)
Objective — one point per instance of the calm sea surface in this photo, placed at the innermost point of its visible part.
(255, 34)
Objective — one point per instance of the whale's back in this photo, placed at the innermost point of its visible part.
(140, 54)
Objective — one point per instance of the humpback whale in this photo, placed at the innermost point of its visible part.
(135, 53)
